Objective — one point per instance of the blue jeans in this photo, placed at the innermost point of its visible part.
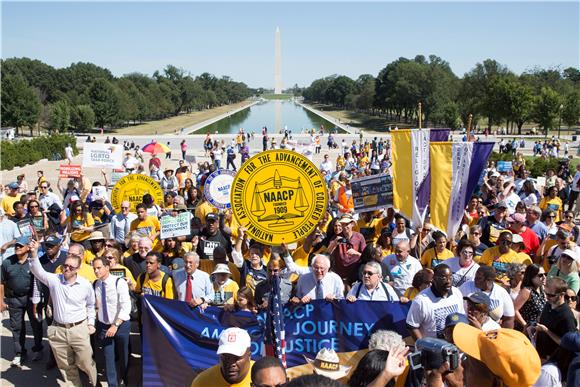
(115, 347)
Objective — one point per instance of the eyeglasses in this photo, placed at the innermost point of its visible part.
(43, 186)
(467, 253)
(551, 216)
(570, 298)
(369, 273)
(69, 267)
(427, 230)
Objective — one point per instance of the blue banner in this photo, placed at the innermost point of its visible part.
(178, 341)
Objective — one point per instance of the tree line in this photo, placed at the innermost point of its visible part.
(490, 92)
(84, 95)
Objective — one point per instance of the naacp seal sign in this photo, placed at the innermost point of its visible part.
(278, 196)
(132, 188)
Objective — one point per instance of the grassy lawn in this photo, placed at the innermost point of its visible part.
(277, 96)
(174, 124)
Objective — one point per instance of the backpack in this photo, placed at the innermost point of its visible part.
(164, 279)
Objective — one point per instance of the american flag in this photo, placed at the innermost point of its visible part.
(275, 333)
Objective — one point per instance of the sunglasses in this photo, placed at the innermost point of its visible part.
(69, 267)
(541, 275)
(369, 273)
(44, 187)
(571, 298)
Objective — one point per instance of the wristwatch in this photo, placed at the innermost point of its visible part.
(117, 324)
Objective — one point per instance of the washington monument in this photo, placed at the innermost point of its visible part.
(278, 63)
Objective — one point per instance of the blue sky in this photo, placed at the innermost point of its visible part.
(318, 39)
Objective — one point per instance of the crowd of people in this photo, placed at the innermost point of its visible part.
(69, 258)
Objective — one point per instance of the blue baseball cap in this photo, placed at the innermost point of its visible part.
(479, 298)
(23, 240)
(454, 319)
(13, 185)
(571, 341)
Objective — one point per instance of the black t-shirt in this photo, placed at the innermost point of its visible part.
(490, 229)
(16, 277)
(207, 244)
(559, 320)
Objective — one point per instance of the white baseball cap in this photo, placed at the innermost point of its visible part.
(234, 341)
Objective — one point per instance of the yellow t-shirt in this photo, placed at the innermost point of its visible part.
(230, 292)
(85, 271)
(213, 377)
(492, 257)
(208, 266)
(154, 287)
(203, 209)
(411, 293)
(370, 230)
(89, 256)
(8, 203)
(147, 228)
(78, 235)
(430, 259)
(553, 204)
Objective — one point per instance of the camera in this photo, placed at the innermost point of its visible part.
(431, 353)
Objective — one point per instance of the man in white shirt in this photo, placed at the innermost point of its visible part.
(121, 223)
(501, 304)
(9, 232)
(426, 317)
(319, 283)
(372, 287)
(326, 165)
(113, 320)
(47, 198)
(403, 267)
(193, 286)
(73, 308)
(574, 202)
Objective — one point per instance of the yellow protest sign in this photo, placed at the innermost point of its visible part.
(278, 196)
(132, 188)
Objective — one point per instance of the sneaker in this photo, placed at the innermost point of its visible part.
(17, 362)
(37, 356)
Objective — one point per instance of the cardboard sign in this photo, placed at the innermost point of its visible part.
(99, 192)
(217, 188)
(371, 193)
(174, 226)
(278, 196)
(132, 188)
(97, 155)
(69, 170)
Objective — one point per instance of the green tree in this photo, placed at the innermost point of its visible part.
(547, 108)
(60, 116)
(83, 117)
(571, 110)
(104, 101)
(20, 104)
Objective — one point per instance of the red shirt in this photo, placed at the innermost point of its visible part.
(531, 242)
(346, 265)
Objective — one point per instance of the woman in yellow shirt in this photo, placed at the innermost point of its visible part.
(552, 202)
(114, 256)
(437, 254)
(80, 222)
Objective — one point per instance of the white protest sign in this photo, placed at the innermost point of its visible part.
(99, 192)
(97, 155)
(174, 226)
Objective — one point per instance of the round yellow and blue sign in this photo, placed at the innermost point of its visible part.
(278, 196)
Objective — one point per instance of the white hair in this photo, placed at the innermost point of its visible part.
(321, 256)
(386, 340)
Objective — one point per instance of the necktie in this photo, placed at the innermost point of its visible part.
(319, 292)
(104, 302)
(188, 291)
